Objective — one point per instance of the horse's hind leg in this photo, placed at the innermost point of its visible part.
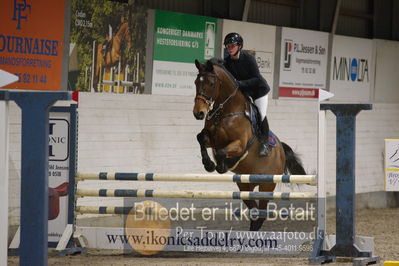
(203, 140)
(251, 204)
(256, 224)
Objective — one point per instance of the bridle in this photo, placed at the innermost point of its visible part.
(210, 101)
(207, 99)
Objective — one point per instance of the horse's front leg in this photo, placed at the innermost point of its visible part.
(204, 142)
(228, 156)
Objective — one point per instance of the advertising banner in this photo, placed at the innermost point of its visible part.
(392, 165)
(260, 40)
(107, 52)
(352, 68)
(179, 39)
(59, 155)
(303, 63)
(31, 43)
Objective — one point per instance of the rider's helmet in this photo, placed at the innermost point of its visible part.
(233, 38)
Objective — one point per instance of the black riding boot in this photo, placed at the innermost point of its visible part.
(264, 147)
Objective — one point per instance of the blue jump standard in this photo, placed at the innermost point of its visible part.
(35, 107)
(345, 181)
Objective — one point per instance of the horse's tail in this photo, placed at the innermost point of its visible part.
(293, 164)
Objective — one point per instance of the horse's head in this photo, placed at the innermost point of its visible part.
(124, 35)
(207, 89)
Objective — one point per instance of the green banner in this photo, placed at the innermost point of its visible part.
(183, 38)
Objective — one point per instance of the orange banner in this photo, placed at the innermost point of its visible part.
(31, 42)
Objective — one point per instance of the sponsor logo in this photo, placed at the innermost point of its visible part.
(209, 40)
(350, 69)
(21, 10)
(288, 50)
(264, 61)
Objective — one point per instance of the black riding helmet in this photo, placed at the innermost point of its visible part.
(233, 38)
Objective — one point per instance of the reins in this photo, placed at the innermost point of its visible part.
(212, 113)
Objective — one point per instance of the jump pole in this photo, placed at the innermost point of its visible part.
(166, 177)
(315, 256)
(5, 79)
(184, 194)
(3, 178)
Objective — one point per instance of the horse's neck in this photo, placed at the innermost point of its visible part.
(122, 31)
(237, 101)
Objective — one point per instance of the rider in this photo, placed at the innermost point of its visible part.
(107, 41)
(245, 70)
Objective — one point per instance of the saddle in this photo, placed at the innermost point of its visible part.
(253, 115)
(54, 195)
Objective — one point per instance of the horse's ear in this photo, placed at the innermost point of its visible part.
(199, 65)
(209, 66)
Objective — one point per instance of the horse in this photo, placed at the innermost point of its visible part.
(112, 55)
(230, 134)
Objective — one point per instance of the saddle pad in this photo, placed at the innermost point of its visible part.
(272, 139)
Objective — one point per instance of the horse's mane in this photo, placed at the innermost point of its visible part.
(220, 63)
(217, 61)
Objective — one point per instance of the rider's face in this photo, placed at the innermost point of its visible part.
(232, 48)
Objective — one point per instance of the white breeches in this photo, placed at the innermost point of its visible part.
(261, 103)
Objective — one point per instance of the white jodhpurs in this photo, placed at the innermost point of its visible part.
(261, 103)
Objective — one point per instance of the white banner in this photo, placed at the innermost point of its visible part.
(173, 78)
(392, 165)
(352, 68)
(303, 63)
(59, 129)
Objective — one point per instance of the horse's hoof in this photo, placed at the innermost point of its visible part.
(256, 224)
(209, 166)
(220, 155)
(221, 168)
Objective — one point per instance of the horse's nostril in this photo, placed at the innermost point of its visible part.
(199, 115)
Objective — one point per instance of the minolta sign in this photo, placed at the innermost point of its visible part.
(350, 69)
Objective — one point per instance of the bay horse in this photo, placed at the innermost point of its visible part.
(113, 53)
(228, 131)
